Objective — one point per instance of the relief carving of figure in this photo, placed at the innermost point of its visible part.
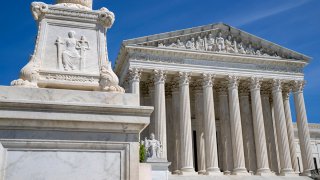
(250, 50)
(220, 43)
(200, 44)
(191, 44)
(241, 48)
(210, 43)
(153, 147)
(229, 46)
(178, 44)
(73, 55)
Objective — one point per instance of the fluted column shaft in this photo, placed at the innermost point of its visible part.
(176, 129)
(200, 131)
(160, 111)
(292, 145)
(270, 131)
(247, 131)
(259, 130)
(282, 135)
(209, 126)
(236, 128)
(225, 129)
(303, 129)
(185, 125)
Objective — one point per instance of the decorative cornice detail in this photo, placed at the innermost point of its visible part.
(159, 76)
(38, 9)
(286, 91)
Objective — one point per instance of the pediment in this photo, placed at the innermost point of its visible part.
(217, 38)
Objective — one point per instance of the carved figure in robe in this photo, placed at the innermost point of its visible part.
(70, 55)
(200, 44)
(220, 43)
(229, 46)
(191, 44)
(250, 50)
(180, 44)
(161, 45)
(211, 43)
(153, 147)
(241, 48)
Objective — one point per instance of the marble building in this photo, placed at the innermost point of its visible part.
(221, 100)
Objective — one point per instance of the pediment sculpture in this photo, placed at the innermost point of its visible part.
(221, 43)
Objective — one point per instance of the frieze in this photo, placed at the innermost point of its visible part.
(175, 60)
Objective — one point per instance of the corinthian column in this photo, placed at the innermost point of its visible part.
(247, 131)
(176, 128)
(225, 128)
(134, 79)
(160, 110)
(185, 125)
(200, 129)
(287, 110)
(282, 135)
(236, 128)
(209, 126)
(303, 129)
(259, 130)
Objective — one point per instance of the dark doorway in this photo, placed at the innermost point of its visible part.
(195, 153)
(299, 164)
(315, 164)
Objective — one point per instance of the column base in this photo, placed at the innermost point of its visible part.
(213, 172)
(188, 171)
(175, 172)
(227, 172)
(240, 172)
(264, 172)
(202, 172)
(287, 172)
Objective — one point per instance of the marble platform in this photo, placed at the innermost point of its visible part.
(197, 177)
(68, 134)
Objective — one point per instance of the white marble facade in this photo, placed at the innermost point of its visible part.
(226, 100)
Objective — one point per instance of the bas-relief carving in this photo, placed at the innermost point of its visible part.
(224, 42)
(82, 4)
(72, 52)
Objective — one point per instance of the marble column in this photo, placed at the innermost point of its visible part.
(259, 130)
(269, 126)
(185, 125)
(134, 80)
(281, 128)
(209, 121)
(160, 110)
(150, 84)
(303, 129)
(291, 139)
(236, 128)
(169, 125)
(247, 131)
(176, 128)
(200, 130)
(225, 128)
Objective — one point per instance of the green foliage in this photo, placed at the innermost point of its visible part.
(142, 153)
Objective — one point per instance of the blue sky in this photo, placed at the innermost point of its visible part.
(294, 24)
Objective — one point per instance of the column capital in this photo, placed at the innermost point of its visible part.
(233, 81)
(255, 83)
(184, 78)
(135, 74)
(286, 91)
(159, 76)
(298, 85)
(276, 85)
(207, 80)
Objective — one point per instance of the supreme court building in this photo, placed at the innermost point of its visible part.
(221, 100)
